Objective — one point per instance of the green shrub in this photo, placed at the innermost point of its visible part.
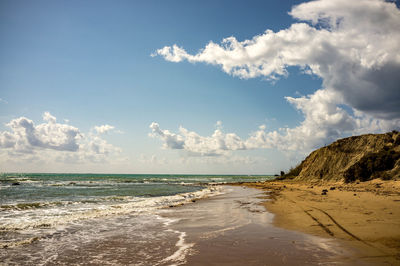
(367, 168)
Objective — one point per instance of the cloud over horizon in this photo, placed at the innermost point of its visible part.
(216, 144)
(351, 45)
(51, 140)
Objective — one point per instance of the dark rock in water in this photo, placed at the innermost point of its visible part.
(16, 184)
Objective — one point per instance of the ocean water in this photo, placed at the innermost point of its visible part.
(48, 219)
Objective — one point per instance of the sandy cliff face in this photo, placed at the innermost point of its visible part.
(361, 158)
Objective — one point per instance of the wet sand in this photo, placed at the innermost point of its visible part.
(235, 229)
(364, 215)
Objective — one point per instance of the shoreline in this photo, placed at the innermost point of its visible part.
(365, 216)
(241, 224)
(235, 229)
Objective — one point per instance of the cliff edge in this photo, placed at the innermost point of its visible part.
(355, 158)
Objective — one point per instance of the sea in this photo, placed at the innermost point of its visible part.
(63, 219)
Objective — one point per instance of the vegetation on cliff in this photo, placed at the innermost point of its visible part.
(351, 159)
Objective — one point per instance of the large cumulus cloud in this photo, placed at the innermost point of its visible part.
(351, 45)
(50, 139)
(26, 136)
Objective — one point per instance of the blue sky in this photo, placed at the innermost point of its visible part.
(89, 63)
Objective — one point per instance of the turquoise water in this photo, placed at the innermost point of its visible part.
(24, 188)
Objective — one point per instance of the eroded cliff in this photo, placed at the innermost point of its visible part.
(355, 158)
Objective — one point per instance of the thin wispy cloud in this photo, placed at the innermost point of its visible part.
(103, 129)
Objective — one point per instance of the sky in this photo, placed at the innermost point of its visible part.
(191, 87)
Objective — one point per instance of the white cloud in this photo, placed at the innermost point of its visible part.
(103, 129)
(216, 144)
(171, 140)
(49, 118)
(351, 45)
(324, 123)
(98, 145)
(50, 140)
(26, 136)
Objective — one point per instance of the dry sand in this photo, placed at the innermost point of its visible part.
(365, 215)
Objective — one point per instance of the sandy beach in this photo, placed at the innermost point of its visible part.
(259, 223)
(364, 215)
(235, 229)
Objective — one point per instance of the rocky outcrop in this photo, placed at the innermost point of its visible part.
(355, 158)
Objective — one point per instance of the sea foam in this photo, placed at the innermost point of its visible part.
(49, 215)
